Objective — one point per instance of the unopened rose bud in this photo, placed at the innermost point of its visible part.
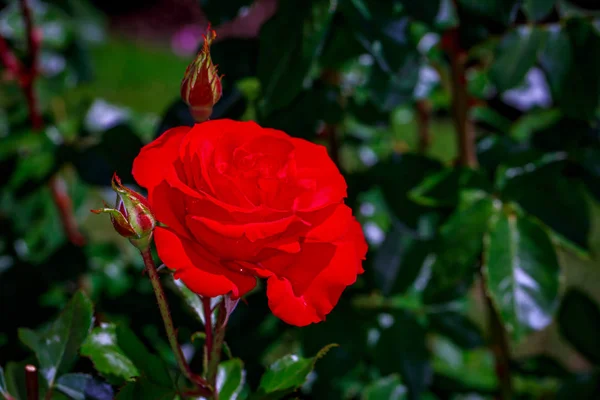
(131, 216)
(201, 85)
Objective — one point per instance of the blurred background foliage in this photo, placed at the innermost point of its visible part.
(468, 134)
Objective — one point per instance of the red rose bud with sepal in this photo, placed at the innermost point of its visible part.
(131, 216)
(201, 86)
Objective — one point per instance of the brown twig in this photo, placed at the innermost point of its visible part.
(423, 122)
(202, 384)
(31, 382)
(58, 188)
(465, 130)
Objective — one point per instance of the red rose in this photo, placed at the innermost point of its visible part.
(239, 202)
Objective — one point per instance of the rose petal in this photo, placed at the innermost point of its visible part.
(314, 166)
(252, 231)
(200, 271)
(299, 299)
(243, 242)
(168, 206)
(155, 159)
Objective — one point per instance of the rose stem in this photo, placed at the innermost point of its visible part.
(215, 335)
(207, 325)
(166, 316)
(31, 382)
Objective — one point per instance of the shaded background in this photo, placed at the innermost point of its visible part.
(468, 134)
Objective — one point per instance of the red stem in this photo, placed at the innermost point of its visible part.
(163, 306)
(36, 119)
(8, 58)
(64, 205)
(31, 382)
(215, 336)
(207, 326)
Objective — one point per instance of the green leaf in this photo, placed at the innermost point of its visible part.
(154, 382)
(231, 378)
(3, 390)
(102, 348)
(556, 58)
(390, 388)
(398, 261)
(84, 387)
(540, 188)
(532, 122)
(491, 117)
(96, 164)
(458, 249)
(457, 327)
(425, 10)
(496, 10)
(290, 43)
(384, 34)
(538, 9)
(302, 117)
(150, 366)
(56, 347)
(472, 369)
(522, 273)
(583, 386)
(191, 298)
(144, 389)
(580, 95)
(23, 141)
(443, 188)
(579, 321)
(15, 379)
(446, 16)
(287, 374)
(589, 159)
(401, 348)
(396, 178)
(515, 55)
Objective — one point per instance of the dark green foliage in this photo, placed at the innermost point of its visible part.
(515, 233)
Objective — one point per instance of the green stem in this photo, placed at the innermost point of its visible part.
(208, 341)
(163, 306)
(219, 338)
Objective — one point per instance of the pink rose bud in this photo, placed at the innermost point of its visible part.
(131, 216)
(201, 85)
